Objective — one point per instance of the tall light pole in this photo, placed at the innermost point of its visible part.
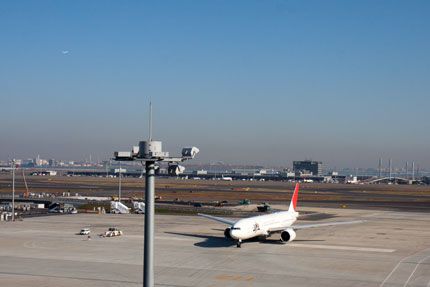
(389, 164)
(406, 171)
(380, 167)
(148, 255)
(13, 190)
(151, 152)
(119, 184)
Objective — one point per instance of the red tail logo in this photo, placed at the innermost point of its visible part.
(295, 195)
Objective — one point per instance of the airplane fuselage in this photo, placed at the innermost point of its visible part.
(260, 225)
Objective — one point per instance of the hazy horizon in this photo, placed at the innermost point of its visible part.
(248, 82)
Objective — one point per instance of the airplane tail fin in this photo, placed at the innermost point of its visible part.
(293, 203)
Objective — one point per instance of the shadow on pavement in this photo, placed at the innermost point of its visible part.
(209, 241)
(220, 242)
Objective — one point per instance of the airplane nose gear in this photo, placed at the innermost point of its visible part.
(238, 243)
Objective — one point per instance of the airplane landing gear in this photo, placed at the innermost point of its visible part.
(238, 243)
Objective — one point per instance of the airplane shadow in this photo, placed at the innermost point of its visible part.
(276, 241)
(309, 240)
(209, 241)
(222, 242)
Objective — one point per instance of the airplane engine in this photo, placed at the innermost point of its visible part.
(227, 233)
(288, 235)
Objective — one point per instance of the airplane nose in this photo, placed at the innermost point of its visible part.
(233, 234)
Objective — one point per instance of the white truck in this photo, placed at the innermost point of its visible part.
(112, 231)
(85, 231)
(139, 207)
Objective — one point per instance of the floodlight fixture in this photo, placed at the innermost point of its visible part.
(190, 152)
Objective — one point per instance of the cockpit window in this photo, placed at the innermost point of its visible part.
(235, 228)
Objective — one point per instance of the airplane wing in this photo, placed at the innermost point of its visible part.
(278, 229)
(220, 219)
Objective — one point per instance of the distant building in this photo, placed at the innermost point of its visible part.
(37, 161)
(46, 172)
(200, 172)
(313, 167)
(116, 170)
(52, 162)
(286, 173)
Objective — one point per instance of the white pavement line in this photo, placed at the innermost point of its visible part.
(337, 247)
(415, 269)
(372, 214)
(398, 264)
(392, 271)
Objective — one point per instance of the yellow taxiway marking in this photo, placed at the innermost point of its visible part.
(231, 277)
(225, 277)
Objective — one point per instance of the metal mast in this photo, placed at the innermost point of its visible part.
(406, 171)
(150, 121)
(389, 163)
(150, 152)
(119, 184)
(380, 167)
(148, 260)
(13, 190)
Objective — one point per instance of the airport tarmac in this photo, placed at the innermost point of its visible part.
(389, 249)
(358, 196)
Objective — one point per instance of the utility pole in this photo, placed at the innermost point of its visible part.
(380, 167)
(13, 190)
(148, 273)
(389, 163)
(406, 171)
(119, 185)
(150, 152)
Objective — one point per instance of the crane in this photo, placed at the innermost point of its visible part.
(25, 182)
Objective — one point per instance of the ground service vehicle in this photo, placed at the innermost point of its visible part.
(85, 231)
(112, 231)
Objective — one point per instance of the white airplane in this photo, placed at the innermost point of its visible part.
(265, 225)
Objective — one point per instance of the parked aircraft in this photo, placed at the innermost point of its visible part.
(265, 225)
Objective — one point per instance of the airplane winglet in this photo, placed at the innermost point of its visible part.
(293, 203)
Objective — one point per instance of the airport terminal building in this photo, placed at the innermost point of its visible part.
(314, 167)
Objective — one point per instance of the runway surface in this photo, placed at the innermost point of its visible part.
(389, 249)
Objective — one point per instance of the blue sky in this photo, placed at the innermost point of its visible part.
(248, 82)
